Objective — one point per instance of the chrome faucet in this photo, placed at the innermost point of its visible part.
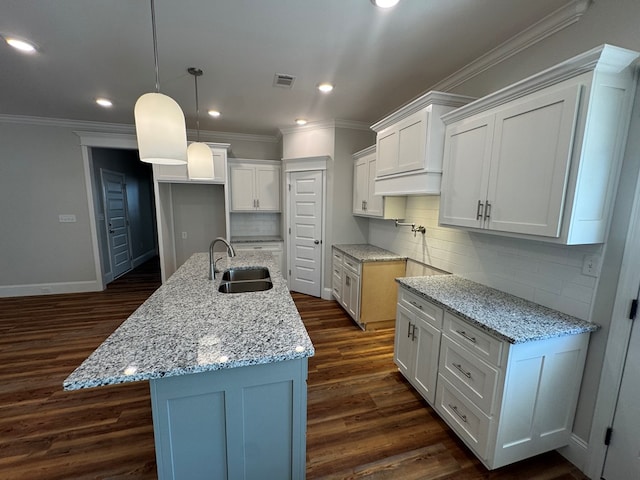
(212, 263)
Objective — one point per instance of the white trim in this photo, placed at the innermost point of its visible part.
(120, 128)
(617, 344)
(305, 164)
(107, 140)
(576, 451)
(327, 295)
(327, 124)
(552, 23)
(87, 165)
(49, 288)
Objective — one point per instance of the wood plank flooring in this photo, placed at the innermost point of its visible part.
(364, 420)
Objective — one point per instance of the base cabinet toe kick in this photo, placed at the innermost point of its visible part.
(506, 401)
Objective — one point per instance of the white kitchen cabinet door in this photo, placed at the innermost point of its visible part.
(375, 203)
(387, 150)
(403, 348)
(242, 188)
(351, 294)
(532, 147)
(426, 340)
(267, 185)
(467, 159)
(255, 188)
(412, 142)
(360, 186)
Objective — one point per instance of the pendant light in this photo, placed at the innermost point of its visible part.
(160, 126)
(199, 155)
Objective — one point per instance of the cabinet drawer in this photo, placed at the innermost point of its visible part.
(352, 264)
(488, 348)
(476, 379)
(426, 310)
(336, 286)
(463, 416)
(337, 257)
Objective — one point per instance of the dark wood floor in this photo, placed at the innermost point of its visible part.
(364, 420)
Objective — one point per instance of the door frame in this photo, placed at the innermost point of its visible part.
(110, 276)
(619, 335)
(89, 140)
(305, 164)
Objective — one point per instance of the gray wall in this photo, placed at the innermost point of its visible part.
(41, 177)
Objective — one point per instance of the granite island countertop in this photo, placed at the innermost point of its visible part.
(363, 252)
(187, 326)
(500, 314)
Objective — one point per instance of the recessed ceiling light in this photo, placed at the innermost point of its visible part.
(22, 45)
(214, 113)
(385, 3)
(301, 121)
(325, 87)
(104, 102)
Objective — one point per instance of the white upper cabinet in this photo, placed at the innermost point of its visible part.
(181, 173)
(365, 201)
(410, 145)
(255, 187)
(541, 159)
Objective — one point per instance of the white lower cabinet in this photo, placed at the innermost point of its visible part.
(506, 401)
(275, 248)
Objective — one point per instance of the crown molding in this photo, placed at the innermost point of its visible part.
(123, 129)
(552, 23)
(327, 124)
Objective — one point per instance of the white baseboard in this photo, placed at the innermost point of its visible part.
(48, 288)
(326, 294)
(575, 452)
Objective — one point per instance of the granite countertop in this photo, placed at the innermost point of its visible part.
(256, 239)
(187, 326)
(500, 314)
(363, 252)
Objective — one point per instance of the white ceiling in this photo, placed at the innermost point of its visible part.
(377, 59)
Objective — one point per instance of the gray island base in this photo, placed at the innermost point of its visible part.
(227, 374)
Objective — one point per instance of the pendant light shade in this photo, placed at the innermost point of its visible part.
(161, 131)
(200, 161)
(199, 155)
(160, 125)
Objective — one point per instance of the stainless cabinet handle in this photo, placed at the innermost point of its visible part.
(258, 203)
(479, 210)
(417, 305)
(461, 370)
(455, 410)
(409, 330)
(464, 334)
(413, 333)
(487, 211)
(347, 281)
(365, 204)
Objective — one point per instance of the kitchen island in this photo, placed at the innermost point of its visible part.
(227, 374)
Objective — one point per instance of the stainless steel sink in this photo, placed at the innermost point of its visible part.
(240, 274)
(245, 286)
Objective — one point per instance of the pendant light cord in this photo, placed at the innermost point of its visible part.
(155, 44)
(195, 79)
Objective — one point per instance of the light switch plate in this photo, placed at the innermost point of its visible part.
(67, 218)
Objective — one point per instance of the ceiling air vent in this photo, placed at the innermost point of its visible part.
(283, 80)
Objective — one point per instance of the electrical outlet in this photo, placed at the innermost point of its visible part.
(591, 265)
(184, 235)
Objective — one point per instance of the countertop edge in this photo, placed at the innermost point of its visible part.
(588, 327)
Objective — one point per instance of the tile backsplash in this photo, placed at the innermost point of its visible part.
(255, 224)
(547, 274)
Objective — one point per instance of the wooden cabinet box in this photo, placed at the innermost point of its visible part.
(541, 159)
